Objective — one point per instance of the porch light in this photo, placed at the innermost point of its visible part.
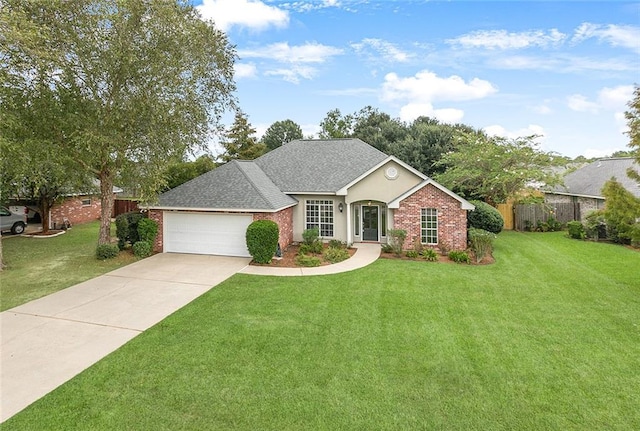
(369, 203)
(340, 207)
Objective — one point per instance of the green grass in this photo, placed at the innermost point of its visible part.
(39, 266)
(548, 338)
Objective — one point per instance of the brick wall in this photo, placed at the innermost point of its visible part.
(284, 219)
(156, 215)
(75, 211)
(452, 220)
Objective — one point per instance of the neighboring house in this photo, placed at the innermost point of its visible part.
(583, 187)
(349, 190)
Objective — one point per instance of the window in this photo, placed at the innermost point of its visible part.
(429, 226)
(383, 222)
(86, 202)
(356, 213)
(320, 215)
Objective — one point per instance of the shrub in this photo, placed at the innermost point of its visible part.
(147, 230)
(595, 226)
(142, 249)
(334, 243)
(309, 236)
(335, 254)
(313, 248)
(553, 225)
(305, 260)
(107, 251)
(481, 242)
(485, 217)
(459, 257)
(412, 254)
(429, 255)
(396, 240)
(386, 248)
(576, 230)
(262, 240)
(127, 228)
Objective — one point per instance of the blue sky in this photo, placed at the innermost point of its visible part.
(562, 70)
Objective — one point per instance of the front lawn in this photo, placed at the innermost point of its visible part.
(39, 266)
(545, 339)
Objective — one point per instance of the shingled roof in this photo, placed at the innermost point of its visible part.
(319, 166)
(298, 167)
(589, 180)
(237, 185)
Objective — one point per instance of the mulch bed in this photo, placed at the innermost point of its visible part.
(288, 259)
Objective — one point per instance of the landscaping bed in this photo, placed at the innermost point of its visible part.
(289, 254)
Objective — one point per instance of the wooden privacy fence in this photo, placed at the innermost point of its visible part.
(528, 216)
(121, 206)
(506, 211)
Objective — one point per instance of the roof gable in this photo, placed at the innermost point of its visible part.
(237, 185)
(590, 179)
(319, 166)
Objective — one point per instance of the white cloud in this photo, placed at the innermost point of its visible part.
(626, 36)
(542, 109)
(503, 40)
(308, 53)
(412, 111)
(312, 130)
(578, 102)
(531, 129)
(293, 74)
(388, 51)
(253, 14)
(427, 87)
(245, 70)
(609, 98)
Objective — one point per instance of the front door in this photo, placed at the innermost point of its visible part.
(370, 223)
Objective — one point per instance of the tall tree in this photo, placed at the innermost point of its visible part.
(335, 125)
(633, 121)
(240, 142)
(621, 212)
(494, 169)
(281, 132)
(377, 128)
(141, 82)
(183, 171)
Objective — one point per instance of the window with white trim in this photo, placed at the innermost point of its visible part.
(429, 226)
(319, 213)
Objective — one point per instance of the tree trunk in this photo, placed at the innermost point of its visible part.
(45, 209)
(106, 200)
(1, 255)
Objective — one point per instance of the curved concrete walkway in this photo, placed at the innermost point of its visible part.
(366, 253)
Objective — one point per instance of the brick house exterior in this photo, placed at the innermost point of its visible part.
(452, 219)
(77, 210)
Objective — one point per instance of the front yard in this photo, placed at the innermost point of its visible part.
(39, 266)
(547, 338)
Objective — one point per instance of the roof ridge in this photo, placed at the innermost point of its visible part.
(253, 184)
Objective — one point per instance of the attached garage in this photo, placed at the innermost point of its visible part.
(205, 233)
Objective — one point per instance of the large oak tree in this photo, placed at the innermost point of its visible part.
(140, 82)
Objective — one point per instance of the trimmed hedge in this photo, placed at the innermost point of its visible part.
(485, 217)
(142, 249)
(107, 251)
(127, 228)
(148, 230)
(262, 240)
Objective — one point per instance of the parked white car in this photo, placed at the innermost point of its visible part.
(16, 223)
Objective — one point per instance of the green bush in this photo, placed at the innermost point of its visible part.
(262, 240)
(127, 228)
(459, 256)
(309, 236)
(313, 248)
(396, 239)
(481, 242)
(429, 255)
(412, 254)
(595, 226)
(334, 243)
(335, 254)
(485, 217)
(553, 225)
(386, 248)
(305, 260)
(576, 230)
(107, 251)
(147, 230)
(142, 249)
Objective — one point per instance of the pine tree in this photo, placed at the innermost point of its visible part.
(240, 142)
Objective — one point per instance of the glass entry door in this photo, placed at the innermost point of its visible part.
(370, 223)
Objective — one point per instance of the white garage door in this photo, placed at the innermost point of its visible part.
(202, 233)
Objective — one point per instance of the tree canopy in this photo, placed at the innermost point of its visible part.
(494, 169)
(140, 83)
(633, 121)
(240, 142)
(281, 132)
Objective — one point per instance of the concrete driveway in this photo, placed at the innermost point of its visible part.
(48, 341)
